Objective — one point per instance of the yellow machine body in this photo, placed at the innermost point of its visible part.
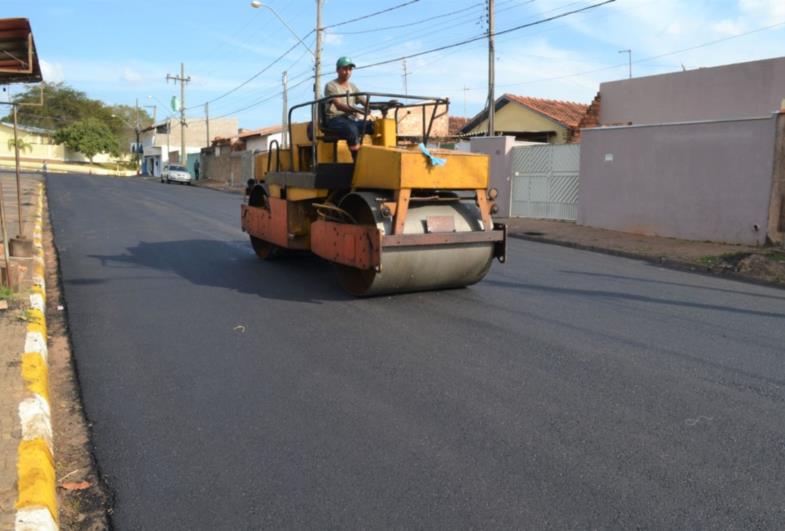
(391, 222)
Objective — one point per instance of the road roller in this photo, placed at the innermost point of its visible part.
(399, 218)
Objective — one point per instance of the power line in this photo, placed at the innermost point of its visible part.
(414, 23)
(653, 57)
(485, 36)
(371, 14)
(259, 73)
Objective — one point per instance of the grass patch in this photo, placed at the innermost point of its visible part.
(5, 293)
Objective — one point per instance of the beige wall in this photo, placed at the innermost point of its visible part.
(743, 90)
(410, 121)
(695, 181)
(196, 132)
(514, 117)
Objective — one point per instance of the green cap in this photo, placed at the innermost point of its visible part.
(344, 61)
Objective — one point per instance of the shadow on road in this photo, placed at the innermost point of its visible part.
(231, 265)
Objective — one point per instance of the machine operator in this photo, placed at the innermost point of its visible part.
(341, 110)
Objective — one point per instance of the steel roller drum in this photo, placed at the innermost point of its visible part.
(422, 267)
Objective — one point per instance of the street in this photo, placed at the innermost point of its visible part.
(569, 389)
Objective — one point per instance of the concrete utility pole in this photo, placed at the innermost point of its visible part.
(207, 122)
(629, 61)
(137, 146)
(405, 79)
(491, 71)
(285, 115)
(317, 82)
(182, 80)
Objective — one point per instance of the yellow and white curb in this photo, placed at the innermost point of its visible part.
(36, 508)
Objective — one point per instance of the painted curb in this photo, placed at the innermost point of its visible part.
(36, 507)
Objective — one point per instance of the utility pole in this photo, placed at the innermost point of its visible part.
(285, 115)
(317, 82)
(182, 80)
(629, 61)
(491, 71)
(405, 79)
(207, 122)
(137, 146)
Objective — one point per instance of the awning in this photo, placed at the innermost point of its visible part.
(18, 57)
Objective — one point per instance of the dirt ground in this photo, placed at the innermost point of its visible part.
(82, 496)
(765, 264)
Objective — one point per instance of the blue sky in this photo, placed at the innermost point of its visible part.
(118, 51)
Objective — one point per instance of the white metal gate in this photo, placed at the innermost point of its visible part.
(545, 181)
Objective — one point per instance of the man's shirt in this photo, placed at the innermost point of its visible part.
(333, 88)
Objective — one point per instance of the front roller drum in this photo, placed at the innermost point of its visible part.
(419, 267)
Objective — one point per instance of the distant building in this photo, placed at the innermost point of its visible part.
(161, 141)
(531, 119)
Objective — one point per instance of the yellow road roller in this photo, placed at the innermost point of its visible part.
(401, 218)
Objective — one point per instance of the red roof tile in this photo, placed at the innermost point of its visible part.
(568, 113)
(264, 131)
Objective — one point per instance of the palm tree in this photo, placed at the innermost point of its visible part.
(20, 143)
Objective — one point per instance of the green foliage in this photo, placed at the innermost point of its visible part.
(5, 293)
(64, 106)
(89, 136)
(20, 143)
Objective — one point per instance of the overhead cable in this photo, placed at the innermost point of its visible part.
(485, 36)
(370, 15)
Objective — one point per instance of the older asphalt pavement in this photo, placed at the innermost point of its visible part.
(567, 390)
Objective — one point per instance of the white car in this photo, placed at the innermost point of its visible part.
(173, 172)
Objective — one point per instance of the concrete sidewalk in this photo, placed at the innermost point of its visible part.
(749, 263)
(27, 483)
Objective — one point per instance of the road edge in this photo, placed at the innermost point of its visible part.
(36, 481)
(677, 265)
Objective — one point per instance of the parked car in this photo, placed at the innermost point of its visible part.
(173, 172)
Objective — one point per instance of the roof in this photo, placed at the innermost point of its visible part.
(18, 57)
(567, 113)
(264, 131)
(29, 128)
(456, 124)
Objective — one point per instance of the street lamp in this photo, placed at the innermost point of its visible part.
(256, 4)
(316, 67)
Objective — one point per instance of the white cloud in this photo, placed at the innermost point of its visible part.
(728, 27)
(130, 75)
(773, 10)
(333, 39)
(52, 72)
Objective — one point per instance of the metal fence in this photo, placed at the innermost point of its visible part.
(545, 181)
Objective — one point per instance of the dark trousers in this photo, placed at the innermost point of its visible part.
(349, 129)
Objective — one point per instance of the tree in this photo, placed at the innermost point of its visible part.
(20, 143)
(64, 106)
(89, 137)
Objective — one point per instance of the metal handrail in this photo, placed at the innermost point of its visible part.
(426, 99)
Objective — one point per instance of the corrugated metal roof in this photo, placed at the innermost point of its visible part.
(18, 56)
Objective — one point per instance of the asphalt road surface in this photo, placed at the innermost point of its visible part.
(568, 390)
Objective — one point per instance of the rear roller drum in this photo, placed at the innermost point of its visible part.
(263, 249)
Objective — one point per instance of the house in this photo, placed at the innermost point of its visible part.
(161, 141)
(258, 140)
(38, 145)
(694, 154)
(531, 119)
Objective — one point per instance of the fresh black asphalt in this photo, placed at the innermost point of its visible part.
(568, 390)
